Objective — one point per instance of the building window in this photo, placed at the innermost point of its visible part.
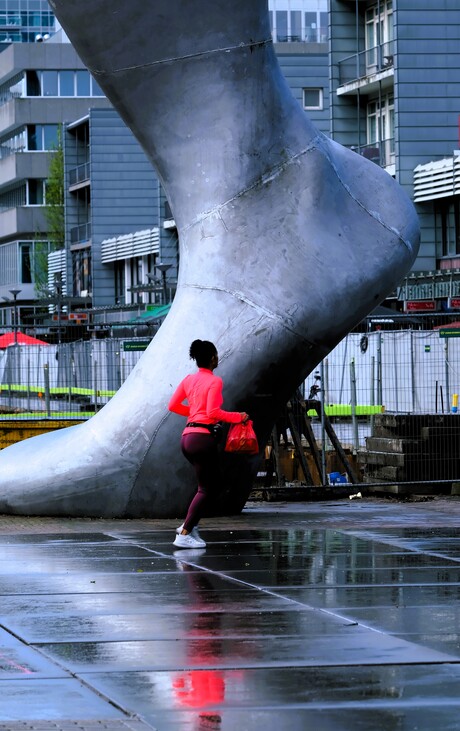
(50, 83)
(83, 80)
(33, 261)
(35, 192)
(447, 225)
(136, 277)
(120, 282)
(312, 98)
(42, 137)
(62, 83)
(67, 83)
(81, 271)
(296, 25)
(25, 274)
(281, 20)
(380, 128)
(298, 20)
(379, 33)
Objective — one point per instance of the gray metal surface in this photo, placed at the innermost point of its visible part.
(287, 240)
(335, 616)
(82, 725)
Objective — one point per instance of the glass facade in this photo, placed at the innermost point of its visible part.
(33, 261)
(298, 21)
(60, 83)
(25, 21)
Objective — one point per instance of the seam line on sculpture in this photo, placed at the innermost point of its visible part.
(237, 295)
(141, 461)
(173, 59)
(278, 169)
(373, 214)
(262, 180)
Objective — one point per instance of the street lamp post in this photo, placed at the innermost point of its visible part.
(58, 293)
(163, 269)
(15, 293)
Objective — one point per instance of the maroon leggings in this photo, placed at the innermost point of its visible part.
(201, 451)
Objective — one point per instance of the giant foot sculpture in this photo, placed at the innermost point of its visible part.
(287, 241)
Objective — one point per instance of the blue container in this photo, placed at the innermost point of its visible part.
(335, 478)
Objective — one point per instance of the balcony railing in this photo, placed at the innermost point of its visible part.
(80, 174)
(382, 153)
(367, 63)
(80, 234)
(7, 96)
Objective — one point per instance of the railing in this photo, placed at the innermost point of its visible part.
(318, 35)
(382, 153)
(81, 233)
(7, 96)
(80, 174)
(367, 63)
(6, 151)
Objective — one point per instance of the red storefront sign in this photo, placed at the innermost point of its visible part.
(453, 303)
(420, 306)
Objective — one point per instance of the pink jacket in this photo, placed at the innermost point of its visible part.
(203, 391)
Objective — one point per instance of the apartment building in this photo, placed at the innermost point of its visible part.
(121, 248)
(115, 219)
(379, 76)
(395, 81)
(42, 85)
(25, 21)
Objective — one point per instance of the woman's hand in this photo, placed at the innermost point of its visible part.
(244, 417)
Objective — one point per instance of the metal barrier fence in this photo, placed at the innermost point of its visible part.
(391, 394)
(392, 398)
(65, 380)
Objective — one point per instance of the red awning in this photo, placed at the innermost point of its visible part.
(20, 338)
(450, 325)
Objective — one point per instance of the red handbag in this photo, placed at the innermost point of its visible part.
(242, 438)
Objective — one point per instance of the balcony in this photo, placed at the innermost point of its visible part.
(367, 67)
(79, 176)
(21, 221)
(7, 96)
(80, 234)
(16, 166)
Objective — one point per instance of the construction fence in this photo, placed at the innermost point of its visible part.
(390, 395)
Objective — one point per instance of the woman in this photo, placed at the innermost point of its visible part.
(203, 392)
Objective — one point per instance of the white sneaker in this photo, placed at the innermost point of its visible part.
(194, 532)
(188, 541)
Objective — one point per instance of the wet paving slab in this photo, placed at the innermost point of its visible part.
(359, 647)
(372, 698)
(224, 624)
(329, 616)
(52, 699)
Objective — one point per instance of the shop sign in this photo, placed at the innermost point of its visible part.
(449, 332)
(420, 306)
(130, 345)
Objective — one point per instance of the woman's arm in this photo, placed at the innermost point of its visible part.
(214, 402)
(176, 401)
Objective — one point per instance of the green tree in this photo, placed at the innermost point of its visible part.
(54, 216)
(54, 202)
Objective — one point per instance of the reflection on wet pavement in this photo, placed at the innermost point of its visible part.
(331, 626)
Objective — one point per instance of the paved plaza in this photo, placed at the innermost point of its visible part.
(328, 616)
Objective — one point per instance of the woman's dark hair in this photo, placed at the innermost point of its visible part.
(202, 351)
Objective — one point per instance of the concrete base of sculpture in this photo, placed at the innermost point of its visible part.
(287, 240)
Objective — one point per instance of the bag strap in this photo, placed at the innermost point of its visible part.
(204, 426)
